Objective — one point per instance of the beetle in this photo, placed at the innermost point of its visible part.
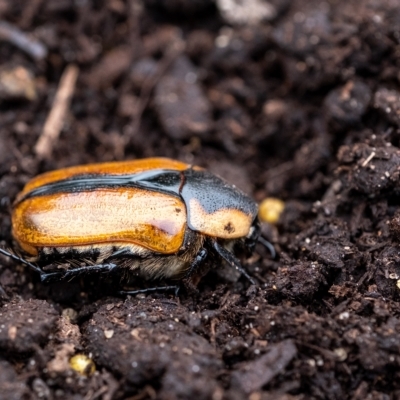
(157, 218)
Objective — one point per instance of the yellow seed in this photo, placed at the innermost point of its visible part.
(270, 210)
(82, 364)
(398, 283)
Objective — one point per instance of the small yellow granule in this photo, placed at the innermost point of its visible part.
(270, 210)
(82, 364)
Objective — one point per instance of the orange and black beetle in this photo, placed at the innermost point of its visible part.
(157, 217)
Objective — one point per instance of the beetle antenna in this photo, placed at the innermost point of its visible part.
(20, 259)
(232, 260)
(268, 245)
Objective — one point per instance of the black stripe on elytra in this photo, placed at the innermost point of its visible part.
(161, 180)
(210, 191)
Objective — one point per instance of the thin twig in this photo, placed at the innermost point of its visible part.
(368, 159)
(56, 117)
(23, 41)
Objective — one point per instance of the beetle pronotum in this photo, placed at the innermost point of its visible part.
(157, 217)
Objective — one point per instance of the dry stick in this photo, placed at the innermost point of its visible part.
(56, 117)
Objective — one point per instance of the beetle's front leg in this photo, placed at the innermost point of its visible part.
(231, 260)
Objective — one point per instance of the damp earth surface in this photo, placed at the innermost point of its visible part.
(298, 100)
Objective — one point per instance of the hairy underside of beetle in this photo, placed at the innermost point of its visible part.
(131, 259)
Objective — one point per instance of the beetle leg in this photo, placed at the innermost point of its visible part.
(20, 259)
(151, 290)
(232, 260)
(198, 260)
(268, 245)
(72, 273)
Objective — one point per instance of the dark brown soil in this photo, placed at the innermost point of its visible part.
(304, 106)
